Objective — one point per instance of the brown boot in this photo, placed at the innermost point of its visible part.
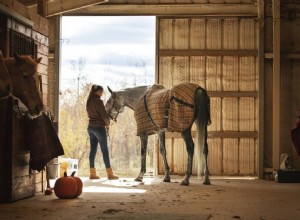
(110, 174)
(93, 174)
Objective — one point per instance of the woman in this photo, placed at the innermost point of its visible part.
(98, 123)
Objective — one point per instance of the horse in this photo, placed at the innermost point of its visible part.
(135, 97)
(5, 81)
(25, 81)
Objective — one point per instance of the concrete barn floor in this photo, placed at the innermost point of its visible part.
(125, 199)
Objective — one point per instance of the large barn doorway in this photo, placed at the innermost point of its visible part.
(110, 51)
(220, 54)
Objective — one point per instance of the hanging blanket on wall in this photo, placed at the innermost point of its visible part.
(43, 142)
(170, 109)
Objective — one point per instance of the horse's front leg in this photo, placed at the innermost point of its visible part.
(162, 149)
(144, 143)
(187, 136)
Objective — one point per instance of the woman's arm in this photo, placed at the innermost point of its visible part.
(102, 112)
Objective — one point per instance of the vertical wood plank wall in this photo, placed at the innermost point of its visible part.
(42, 44)
(221, 56)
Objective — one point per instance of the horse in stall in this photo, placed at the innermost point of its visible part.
(24, 81)
(157, 109)
(5, 81)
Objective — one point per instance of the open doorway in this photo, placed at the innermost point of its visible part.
(115, 51)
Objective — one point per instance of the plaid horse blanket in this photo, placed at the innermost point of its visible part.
(170, 109)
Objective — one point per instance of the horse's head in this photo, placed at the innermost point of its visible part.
(26, 83)
(5, 81)
(114, 105)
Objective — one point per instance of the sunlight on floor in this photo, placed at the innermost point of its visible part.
(103, 189)
(123, 185)
(114, 186)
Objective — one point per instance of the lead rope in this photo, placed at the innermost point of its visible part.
(6, 97)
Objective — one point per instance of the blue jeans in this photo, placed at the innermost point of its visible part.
(98, 135)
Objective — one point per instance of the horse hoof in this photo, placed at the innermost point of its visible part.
(184, 183)
(138, 179)
(167, 180)
(206, 182)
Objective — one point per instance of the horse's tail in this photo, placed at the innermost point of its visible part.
(202, 119)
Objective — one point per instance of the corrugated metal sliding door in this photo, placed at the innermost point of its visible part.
(221, 56)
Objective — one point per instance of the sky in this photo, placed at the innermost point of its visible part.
(117, 51)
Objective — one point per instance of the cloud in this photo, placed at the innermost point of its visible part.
(117, 54)
(109, 30)
(114, 48)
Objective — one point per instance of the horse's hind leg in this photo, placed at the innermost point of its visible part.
(205, 153)
(187, 136)
(162, 149)
(144, 143)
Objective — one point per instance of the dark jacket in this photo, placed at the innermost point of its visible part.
(98, 117)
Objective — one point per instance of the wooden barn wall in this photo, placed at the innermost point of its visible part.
(39, 32)
(289, 79)
(221, 56)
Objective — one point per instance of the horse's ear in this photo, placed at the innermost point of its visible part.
(38, 60)
(109, 89)
(17, 57)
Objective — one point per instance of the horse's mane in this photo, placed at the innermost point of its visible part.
(26, 58)
(131, 88)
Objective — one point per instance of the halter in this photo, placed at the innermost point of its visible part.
(114, 118)
(18, 109)
(5, 97)
(118, 112)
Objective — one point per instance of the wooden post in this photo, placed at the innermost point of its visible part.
(42, 7)
(57, 60)
(276, 83)
(261, 61)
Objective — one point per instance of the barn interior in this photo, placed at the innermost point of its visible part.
(245, 53)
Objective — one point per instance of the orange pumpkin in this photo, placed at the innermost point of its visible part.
(79, 184)
(65, 187)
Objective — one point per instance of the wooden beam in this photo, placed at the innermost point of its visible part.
(224, 94)
(170, 9)
(16, 15)
(261, 91)
(292, 55)
(219, 134)
(17, 10)
(42, 7)
(57, 65)
(238, 53)
(295, 56)
(276, 83)
(157, 50)
(55, 7)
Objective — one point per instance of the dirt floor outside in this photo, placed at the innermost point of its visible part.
(153, 199)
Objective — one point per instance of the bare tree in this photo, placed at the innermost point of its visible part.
(78, 67)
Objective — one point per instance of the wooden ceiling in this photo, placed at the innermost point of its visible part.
(34, 2)
(49, 8)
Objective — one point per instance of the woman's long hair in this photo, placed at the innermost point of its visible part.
(95, 88)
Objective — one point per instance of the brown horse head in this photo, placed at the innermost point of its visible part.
(25, 81)
(5, 81)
